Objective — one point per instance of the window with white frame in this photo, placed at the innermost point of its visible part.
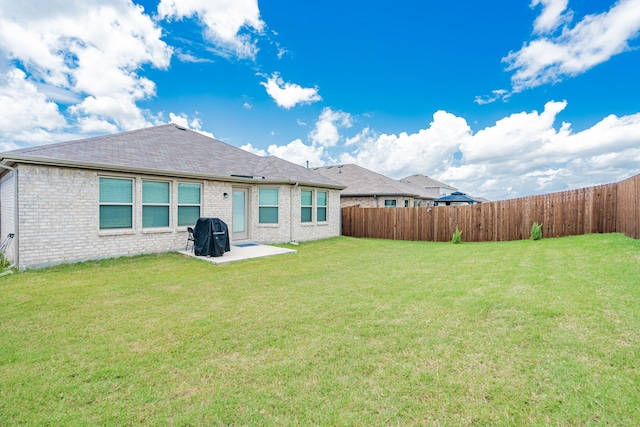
(189, 203)
(321, 206)
(155, 204)
(116, 203)
(306, 206)
(390, 203)
(268, 206)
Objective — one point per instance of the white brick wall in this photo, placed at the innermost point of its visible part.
(59, 216)
(7, 211)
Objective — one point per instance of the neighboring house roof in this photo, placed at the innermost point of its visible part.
(364, 182)
(426, 182)
(457, 196)
(425, 192)
(168, 150)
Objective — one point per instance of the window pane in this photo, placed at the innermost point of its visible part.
(114, 190)
(307, 198)
(389, 203)
(268, 215)
(306, 214)
(322, 198)
(155, 192)
(115, 217)
(268, 197)
(239, 211)
(155, 216)
(188, 194)
(188, 215)
(322, 214)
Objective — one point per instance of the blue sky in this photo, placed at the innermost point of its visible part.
(500, 99)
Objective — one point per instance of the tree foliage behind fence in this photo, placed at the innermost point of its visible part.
(605, 208)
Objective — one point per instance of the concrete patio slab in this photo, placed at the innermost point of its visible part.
(240, 253)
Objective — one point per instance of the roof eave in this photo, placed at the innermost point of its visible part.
(381, 194)
(44, 161)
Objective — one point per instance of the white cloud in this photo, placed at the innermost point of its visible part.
(23, 107)
(257, 151)
(428, 151)
(289, 95)
(552, 15)
(326, 131)
(299, 153)
(590, 42)
(89, 125)
(517, 136)
(89, 53)
(193, 124)
(224, 22)
(498, 94)
(190, 58)
(522, 154)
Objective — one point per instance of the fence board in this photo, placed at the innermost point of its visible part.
(605, 208)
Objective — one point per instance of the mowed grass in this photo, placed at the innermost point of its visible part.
(345, 332)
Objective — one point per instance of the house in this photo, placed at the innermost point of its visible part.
(369, 189)
(136, 192)
(430, 184)
(455, 198)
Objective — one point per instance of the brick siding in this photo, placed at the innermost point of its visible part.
(59, 216)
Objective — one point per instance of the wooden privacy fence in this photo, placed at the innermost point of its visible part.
(605, 208)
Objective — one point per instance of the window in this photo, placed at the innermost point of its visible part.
(390, 203)
(306, 212)
(321, 206)
(155, 204)
(188, 203)
(406, 203)
(116, 203)
(268, 206)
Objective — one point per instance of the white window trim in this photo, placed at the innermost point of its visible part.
(178, 204)
(269, 224)
(143, 204)
(314, 207)
(114, 231)
(326, 206)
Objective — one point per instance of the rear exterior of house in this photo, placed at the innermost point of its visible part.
(138, 192)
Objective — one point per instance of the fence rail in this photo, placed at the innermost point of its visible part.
(605, 208)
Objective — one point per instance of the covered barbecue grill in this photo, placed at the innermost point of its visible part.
(211, 237)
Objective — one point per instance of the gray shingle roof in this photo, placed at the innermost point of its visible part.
(364, 182)
(170, 150)
(426, 182)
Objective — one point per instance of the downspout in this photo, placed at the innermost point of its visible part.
(291, 211)
(15, 213)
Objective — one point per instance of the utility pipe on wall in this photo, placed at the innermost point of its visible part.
(16, 234)
(291, 211)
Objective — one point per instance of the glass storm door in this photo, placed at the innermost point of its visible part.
(240, 196)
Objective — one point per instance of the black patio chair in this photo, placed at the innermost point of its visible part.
(190, 238)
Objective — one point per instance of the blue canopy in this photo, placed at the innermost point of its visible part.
(455, 197)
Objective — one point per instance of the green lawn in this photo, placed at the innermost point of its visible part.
(345, 332)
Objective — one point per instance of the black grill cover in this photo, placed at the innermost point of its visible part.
(211, 237)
